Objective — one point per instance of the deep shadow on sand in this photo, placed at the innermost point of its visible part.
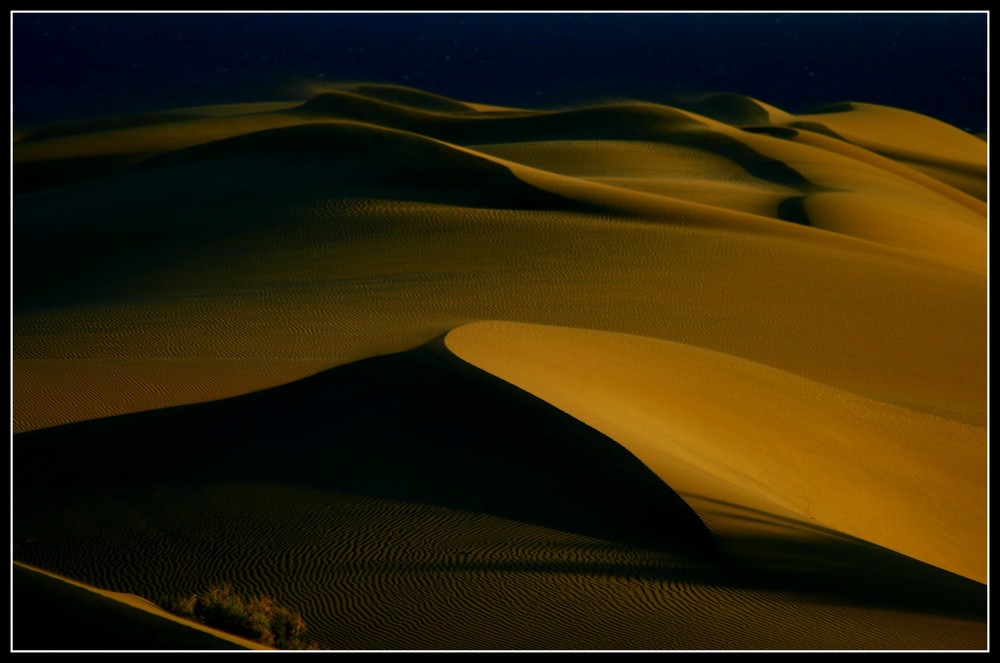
(420, 426)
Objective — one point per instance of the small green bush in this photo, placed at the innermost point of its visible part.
(258, 618)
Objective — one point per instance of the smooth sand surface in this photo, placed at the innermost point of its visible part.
(445, 375)
(708, 422)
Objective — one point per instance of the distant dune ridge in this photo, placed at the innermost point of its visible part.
(440, 375)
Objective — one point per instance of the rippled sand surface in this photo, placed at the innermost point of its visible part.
(448, 376)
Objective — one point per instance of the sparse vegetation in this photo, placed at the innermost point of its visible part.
(258, 618)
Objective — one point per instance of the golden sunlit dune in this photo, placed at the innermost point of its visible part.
(441, 375)
(707, 422)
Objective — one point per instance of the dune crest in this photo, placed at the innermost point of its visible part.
(895, 477)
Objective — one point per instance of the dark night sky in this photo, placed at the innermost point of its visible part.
(77, 65)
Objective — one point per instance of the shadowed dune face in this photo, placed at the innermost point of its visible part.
(362, 159)
(737, 399)
(417, 427)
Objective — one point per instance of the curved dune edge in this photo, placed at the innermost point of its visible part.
(937, 146)
(892, 243)
(53, 393)
(417, 501)
(718, 427)
(922, 142)
(139, 603)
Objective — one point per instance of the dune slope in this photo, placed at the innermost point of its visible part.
(713, 374)
(413, 501)
(56, 614)
(712, 425)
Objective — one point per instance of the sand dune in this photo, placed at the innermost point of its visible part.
(707, 422)
(446, 375)
(391, 499)
(56, 613)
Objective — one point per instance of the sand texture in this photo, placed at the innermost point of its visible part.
(441, 375)
(55, 613)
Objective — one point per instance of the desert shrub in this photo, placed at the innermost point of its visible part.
(258, 618)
